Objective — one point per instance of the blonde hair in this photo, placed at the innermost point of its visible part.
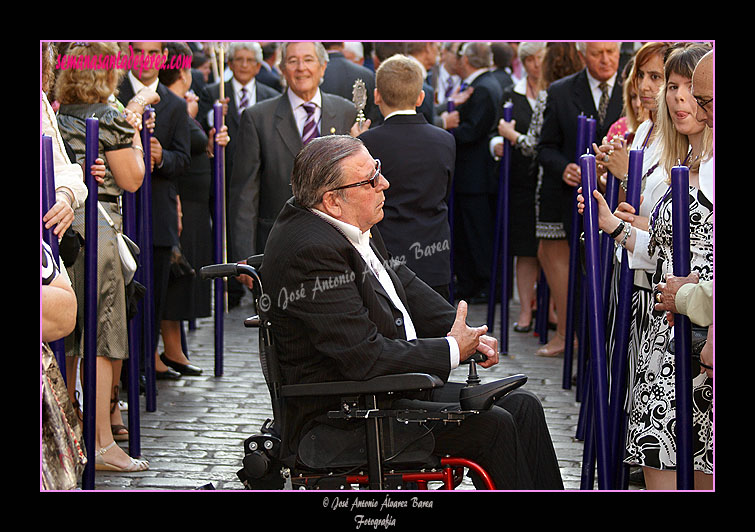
(399, 81)
(681, 59)
(88, 85)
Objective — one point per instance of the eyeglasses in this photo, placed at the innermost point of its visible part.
(702, 103)
(373, 181)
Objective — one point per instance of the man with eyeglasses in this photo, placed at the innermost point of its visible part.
(357, 315)
(270, 135)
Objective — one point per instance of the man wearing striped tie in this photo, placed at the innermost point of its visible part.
(271, 133)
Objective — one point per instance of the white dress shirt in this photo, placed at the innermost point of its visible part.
(361, 241)
(595, 87)
(300, 114)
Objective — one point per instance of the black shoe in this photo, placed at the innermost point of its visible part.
(520, 329)
(183, 369)
(168, 375)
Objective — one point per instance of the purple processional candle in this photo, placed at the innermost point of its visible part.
(594, 315)
(619, 361)
(682, 329)
(219, 239)
(149, 334)
(500, 241)
(572, 285)
(90, 295)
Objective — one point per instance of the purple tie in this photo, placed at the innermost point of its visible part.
(244, 103)
(310, 128)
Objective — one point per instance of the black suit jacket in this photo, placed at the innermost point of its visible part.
(339, 79)
(477, 119)
(567, 98)
(172, 131)
(332, 319)
(260, 184)
(418, 160)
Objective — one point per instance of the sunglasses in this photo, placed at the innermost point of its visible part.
(373, 181)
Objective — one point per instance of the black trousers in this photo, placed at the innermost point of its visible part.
(510, 441)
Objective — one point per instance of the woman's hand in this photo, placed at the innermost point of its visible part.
(507, 131)
(606, 220)
(612, 156)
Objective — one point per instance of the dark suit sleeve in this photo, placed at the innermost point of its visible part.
(177, 151)
(477, 116)
(244, 189)
(338, 324)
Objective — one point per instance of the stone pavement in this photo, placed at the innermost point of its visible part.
(195, 436)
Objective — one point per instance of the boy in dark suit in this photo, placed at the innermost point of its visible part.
(418, 159)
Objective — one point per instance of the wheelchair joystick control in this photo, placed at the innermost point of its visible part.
(473, 379)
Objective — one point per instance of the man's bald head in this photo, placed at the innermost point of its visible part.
(702, 88)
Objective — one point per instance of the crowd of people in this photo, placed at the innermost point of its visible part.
(432, 121)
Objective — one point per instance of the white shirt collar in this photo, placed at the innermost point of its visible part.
(237, 86)
(296, 101)
(352, 232)
(401, 112)
(137, 84)
(474, 75)
(595, 84)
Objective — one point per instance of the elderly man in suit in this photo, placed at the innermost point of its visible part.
(171, 158)
(594, 91)
(243, 90)
(358, 314)
(271, 133)
(418, 159)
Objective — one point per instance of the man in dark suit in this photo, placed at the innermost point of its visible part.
(579, 93)
(341, 74)
(475, 186)
(270, 135)
(418, 159)
(340, 309)
(170, 151)
(242, 91)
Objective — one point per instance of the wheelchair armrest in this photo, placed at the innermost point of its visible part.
(481, 397)
(402, 382)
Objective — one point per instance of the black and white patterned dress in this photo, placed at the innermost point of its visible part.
(651, 439)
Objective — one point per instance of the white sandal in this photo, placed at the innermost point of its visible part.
(101, 465)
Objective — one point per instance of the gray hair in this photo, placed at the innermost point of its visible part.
(478, 54)
(317, 167)
(527, 49)
(253, 47)
(582, 47)
(320, 52)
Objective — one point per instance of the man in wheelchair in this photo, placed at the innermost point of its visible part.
(339, 309)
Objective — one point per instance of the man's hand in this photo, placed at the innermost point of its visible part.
(664, 295)
(572, 175)
(706, 355)
(156, 151)
(360, 127)
(489, 347)
(468, 338)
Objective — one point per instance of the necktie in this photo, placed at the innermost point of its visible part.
(244, 103)
(603, 105)
(449, 87)
(310, 128)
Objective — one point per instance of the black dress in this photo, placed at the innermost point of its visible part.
(189, 296)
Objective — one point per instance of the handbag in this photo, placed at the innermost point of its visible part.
(127, 249)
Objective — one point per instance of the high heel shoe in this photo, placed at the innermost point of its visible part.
(101, 465)
(552, 348)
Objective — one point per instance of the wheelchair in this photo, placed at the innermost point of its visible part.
(387, 448)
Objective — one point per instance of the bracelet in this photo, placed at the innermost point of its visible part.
(138, 148)
(618, 230)
(626, 235)
(138, 100)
